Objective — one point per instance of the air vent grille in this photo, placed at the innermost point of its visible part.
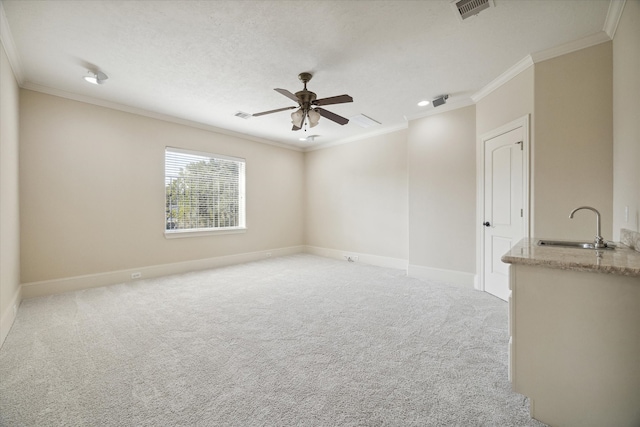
(364, 121)
(468, 8)
(242, 115)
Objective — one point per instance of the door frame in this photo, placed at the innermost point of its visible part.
(526, 193)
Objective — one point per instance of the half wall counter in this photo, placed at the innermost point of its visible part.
(574, 322)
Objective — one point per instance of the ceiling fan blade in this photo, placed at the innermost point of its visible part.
(332, 116)
(287, 94)
(340, 99)
(273, 111)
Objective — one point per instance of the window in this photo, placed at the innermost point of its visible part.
(203, 192)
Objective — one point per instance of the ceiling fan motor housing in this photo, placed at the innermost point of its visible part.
(305, 98)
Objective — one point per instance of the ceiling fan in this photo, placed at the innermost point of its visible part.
(309, 107)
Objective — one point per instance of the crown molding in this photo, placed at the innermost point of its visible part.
(563, 49)
(503, 78)
(10, 47)
(172, 119)
(573, 46)
(151, 114)
(384, 131)
(613, 17)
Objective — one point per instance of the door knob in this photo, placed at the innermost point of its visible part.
(486, 224)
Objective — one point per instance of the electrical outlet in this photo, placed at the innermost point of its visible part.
(268, 254)
(136, 275)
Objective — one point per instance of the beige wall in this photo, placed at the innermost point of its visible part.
(9, 212)
(569, 99)
(509, 102)
(626, 120)
(92, 192)
(573, 147)
(357, 196)
(442, 191)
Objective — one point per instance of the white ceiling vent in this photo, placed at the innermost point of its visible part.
(243, 115)
(364, 121)
(467, 8)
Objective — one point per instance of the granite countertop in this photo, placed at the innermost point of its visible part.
(621, 261)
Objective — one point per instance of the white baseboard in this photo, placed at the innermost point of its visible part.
(7, 319)
(468, 280)
(380, 261)
(476, 283)
(67, 284)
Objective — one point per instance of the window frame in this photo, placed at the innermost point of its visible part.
(197, 232)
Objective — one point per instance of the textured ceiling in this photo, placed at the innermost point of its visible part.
(203, 61)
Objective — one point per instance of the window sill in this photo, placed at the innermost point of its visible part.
(178, 234)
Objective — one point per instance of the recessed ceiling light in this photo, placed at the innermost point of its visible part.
(91, 79)
(423, 103)
(97, 78)
(310, 138)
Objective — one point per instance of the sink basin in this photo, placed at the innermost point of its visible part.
(568, 244)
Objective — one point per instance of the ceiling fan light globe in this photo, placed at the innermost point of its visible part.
(314, 118)
(296, 118)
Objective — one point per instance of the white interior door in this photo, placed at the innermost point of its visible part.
(503, 206)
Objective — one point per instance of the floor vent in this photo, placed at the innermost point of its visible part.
(467, 8)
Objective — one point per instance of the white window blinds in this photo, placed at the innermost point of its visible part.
(203, 191)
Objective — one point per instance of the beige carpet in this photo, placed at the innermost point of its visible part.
(292, 341)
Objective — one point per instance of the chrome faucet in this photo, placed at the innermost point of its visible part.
(599, 241)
